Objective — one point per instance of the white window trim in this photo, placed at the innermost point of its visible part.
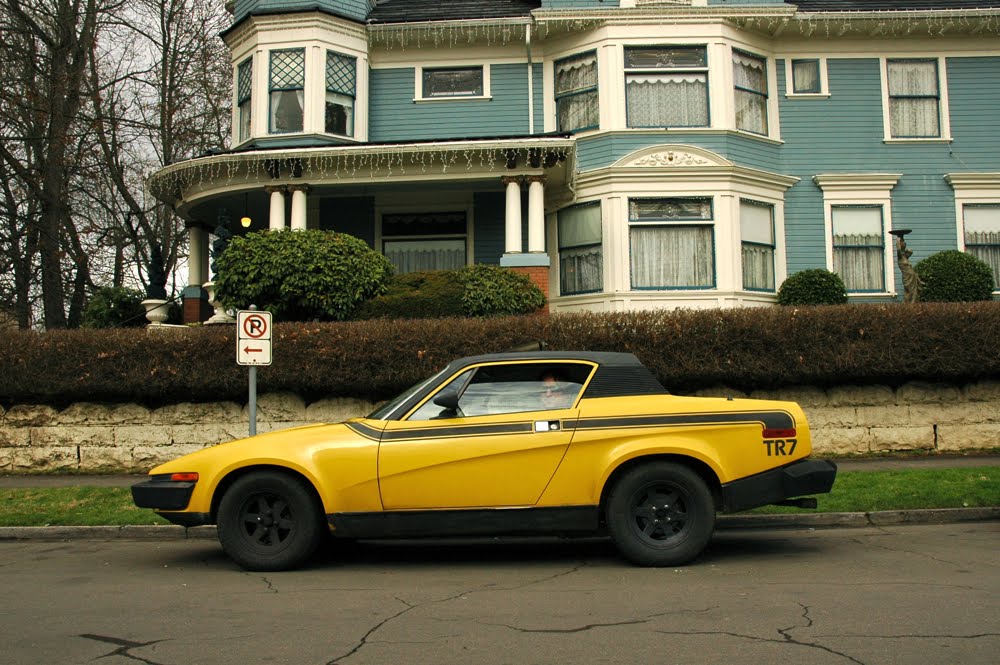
(824, 81)
(944, 113)
(972, 188)
(418, 207)
(860, 189)
(418, 83)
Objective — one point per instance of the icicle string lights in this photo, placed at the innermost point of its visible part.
(180, 181)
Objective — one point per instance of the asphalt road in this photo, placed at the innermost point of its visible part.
(905, 594)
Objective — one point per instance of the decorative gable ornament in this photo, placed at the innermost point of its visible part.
(668, 156)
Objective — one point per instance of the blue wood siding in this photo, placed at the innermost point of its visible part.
(599, 151)
(489, 210)
(394, 116)
(844, 134)
(353, 215)
(539, 93)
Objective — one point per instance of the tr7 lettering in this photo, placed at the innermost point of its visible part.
(777, 447)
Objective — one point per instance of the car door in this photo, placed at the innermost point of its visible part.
(499, 446)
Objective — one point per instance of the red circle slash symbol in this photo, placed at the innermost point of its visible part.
(255, 326)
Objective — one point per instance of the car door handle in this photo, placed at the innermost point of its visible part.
(547, 426)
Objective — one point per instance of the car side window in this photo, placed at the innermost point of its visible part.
(510, 388)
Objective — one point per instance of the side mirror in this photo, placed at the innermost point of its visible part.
(448, 399)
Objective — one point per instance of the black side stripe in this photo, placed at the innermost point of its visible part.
(365, 431)
(769, 420)
(461, 430)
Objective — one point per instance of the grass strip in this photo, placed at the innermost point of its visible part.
(859, 491)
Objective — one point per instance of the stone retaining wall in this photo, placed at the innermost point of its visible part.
(129, 437)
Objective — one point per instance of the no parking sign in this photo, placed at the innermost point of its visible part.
(253, 337)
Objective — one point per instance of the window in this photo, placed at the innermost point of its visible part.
(244, 95)
(672, 243)
(287, 89)
(666, 86)
(757, 233)
(806, 77)
(424, 241)
(914, 98)
(497, 389)
(453, 82)
(859, 247)
(341, 79)
(581, 262)
(982, 235)
(577, 105)
(750, 79)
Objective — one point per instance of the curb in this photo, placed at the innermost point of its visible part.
(726, 522)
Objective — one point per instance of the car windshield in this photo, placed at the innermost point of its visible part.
(385, 411)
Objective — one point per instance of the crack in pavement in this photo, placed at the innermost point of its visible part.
(124, 646)
(897, 550)
(975, 636)
(590, 626)
(784, 632)
(411, 606)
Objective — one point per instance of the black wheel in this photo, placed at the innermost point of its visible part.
(660, 514)
(270, 521)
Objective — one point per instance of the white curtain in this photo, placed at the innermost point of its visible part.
(858, 247)
(982, 236)
(750, 79)
(757, 232)
(805, 76)
(339, 114)
(913, 102)
(581, 270)
(578, 111)
(286, 110)
(672, 256)
(424, 255)
(667, 100)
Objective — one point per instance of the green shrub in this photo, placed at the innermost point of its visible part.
(954, 276)
(417, 295)
(495, 291)
(813, 287)
(114, 307)
(300, 275)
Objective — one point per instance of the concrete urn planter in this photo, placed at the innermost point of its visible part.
(157, 310)
(220, 315)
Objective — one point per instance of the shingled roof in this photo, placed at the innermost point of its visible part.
(889, 5)
(407, 11)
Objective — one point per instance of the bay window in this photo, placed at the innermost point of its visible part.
(666, 86)
(672, 243)
(859, 247)
(750, 80)
(982, 235)
(581, 261)
(577, 105)
(425, 241)
(341, 81)
(757, 236)
(287, 90)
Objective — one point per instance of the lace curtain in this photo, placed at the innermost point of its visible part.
(672, 256)
(913, 98)
(858, 248)
(757, 232)
(581, 258)
(667, 100)
(577, 103)
(423, 255)
(750, 79)
(982, 236)
(805, 76)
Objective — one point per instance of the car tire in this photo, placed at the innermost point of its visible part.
(270, 521)
(660, 514)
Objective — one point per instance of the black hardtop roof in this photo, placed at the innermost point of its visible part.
(603, 358)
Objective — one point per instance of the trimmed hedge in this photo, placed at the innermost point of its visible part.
(816, 286)
(416, 295)
(745, 349)
(954, 276)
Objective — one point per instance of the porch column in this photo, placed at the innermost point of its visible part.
(299, 206)
(277, 217)
(197, 256)
(512, 218)
(194, 298)
(536, 213)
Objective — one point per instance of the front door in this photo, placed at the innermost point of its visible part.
(496, 444)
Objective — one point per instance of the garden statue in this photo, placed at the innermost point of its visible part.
(911, 280)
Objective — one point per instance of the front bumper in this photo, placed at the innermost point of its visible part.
(800, 478)
(163, 493)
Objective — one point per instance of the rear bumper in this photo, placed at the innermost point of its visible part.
(800, 478)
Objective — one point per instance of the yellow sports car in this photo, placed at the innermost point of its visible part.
(554, 443)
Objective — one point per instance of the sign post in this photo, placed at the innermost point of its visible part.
(253, 348)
